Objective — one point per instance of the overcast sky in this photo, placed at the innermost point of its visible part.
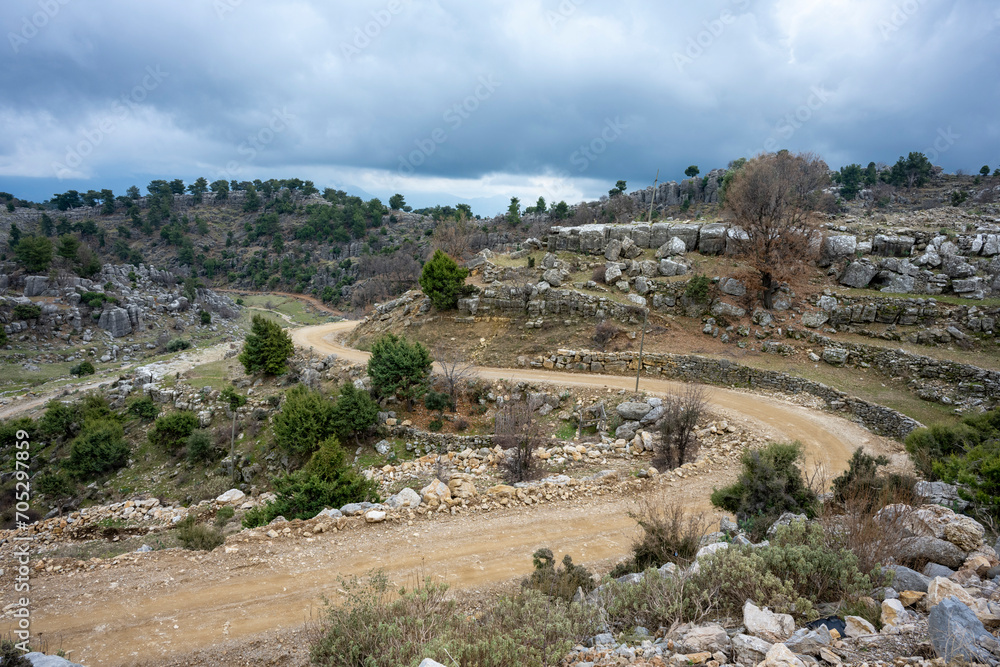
(453, 100)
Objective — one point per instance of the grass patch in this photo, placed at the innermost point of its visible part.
(297, 309)
(217, 374)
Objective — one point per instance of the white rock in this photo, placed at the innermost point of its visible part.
(374, 516)
(765, 624)
(232, 496)
(857, 626)
(780, 656)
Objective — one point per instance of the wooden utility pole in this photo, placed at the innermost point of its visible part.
(645, 315)
(653, 200)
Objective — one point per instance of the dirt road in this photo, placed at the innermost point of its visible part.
(172, 602)
(179, 364)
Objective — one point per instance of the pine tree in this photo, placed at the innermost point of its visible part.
(266, 348)
(442, 280)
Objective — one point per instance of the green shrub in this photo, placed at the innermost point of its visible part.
(95, 407)
(200, 447)
(144, 408)
(223, 515)
(654, 602)
(205, 317)
(438, 400)
(697, 288)
(442, 280)
(11, 656)
(797, 571)
(562, 582)
(99, 448)
(266, 348)
(25, 311)
(82, 368)
(861, 479)
(93, 299)
(3, 337)
(327, 480)
(770, 483)
(234, 398)
(178, 344)
(354, 412)
(374, 627)
(305, 420)
(669, 535)
(198, 536)
(54, 484)
(170, 431)
(399, 367)
(928, 446)
(435, 425)
(60, 420)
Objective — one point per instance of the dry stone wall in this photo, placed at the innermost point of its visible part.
(878, 419)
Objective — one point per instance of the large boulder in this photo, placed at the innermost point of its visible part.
(552, 277)
(780, 656)
(858, 274)
(941, 493)
(462, 486)
(748, 650)
(633, 410)
(924, 548)
(905, 579)
(767, 625)
(669, 267)
(711, 638)
(613, 251)
(712, 239)
(435, 493)
(405, 498)
(858, 627)
(957, 634)
(674, 246)
(35, 285)
(941, 588)
(732, 287)
(116, 322)
(630, 249)
(838, 247)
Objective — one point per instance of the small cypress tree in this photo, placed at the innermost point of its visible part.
(266, 348)
(442, 279)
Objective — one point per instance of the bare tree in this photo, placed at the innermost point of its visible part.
(455, 368)
(517, 433)
(681, 413)
(772, 197)
(453, 237)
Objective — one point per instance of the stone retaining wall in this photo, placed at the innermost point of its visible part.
(965, 381)
(876, 418)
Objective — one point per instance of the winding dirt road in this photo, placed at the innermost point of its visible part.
(169, 603)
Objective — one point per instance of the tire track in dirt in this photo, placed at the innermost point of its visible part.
(170, 603)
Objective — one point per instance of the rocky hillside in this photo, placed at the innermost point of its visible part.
(122, 316)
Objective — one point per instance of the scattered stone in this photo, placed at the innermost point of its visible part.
(766, 624)
(858, 627)
(956, 633)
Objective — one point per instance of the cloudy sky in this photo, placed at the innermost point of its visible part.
(449, 100)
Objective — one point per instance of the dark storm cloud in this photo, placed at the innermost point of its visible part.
(524, 97)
